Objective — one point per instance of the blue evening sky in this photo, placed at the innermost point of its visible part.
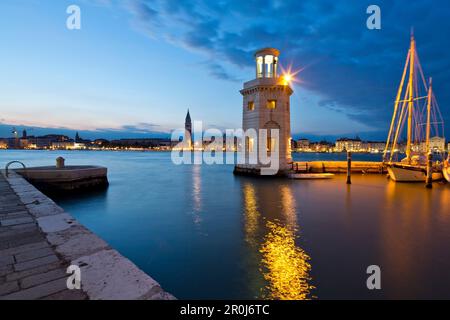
(136, 66)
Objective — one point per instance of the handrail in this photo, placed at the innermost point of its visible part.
(10, 163)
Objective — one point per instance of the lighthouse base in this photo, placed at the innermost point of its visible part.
(252, 171)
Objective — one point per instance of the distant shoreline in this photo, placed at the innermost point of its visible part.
(154, 150)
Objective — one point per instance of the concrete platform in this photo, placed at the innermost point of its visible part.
(68, 178)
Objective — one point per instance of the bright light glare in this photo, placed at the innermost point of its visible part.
(287, 77)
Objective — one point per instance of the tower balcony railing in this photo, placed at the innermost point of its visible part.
(264, 75)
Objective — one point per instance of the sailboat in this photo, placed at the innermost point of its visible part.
(446, 170)
(414, 99)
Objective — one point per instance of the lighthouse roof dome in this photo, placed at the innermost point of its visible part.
(267, 51)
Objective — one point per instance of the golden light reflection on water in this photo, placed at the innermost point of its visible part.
(251, 214)
(197, 193)
(289, 206)
(445, 203)
(285, 266)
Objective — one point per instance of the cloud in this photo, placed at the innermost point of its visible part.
(142, 10)
(142, 127)
(219, 72)
(356, 68)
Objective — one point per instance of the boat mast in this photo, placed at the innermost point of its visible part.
(394, 115)
(411, 97)
(430, 94)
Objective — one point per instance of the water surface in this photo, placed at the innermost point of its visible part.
(204, 233)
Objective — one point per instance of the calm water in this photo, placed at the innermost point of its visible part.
(204, 233)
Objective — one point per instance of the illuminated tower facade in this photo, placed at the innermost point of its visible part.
(266, 105)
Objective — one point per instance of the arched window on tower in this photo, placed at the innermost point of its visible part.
(259, 67)
(269, 66)
(271, 104)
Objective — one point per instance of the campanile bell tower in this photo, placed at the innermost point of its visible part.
(266, 105)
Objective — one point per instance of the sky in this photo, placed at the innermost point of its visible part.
(136, 66)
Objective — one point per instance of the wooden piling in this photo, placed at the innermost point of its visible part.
(349, 167)
(429, 180)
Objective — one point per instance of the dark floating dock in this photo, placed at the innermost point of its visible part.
(69, 178)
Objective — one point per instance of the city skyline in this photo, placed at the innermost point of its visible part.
(130, 72)
(6, 131)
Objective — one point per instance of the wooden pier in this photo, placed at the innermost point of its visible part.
(361, 167)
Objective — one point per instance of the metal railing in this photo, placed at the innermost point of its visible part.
(10, 163)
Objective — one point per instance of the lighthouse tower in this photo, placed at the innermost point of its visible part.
(266, 105)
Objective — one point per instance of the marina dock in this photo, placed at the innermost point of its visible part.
(39, 241)
(362, 167)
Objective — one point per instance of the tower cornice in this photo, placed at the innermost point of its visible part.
(260, 88)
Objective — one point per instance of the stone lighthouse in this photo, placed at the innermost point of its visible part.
(266, 105)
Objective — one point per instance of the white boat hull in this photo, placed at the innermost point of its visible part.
(308, 176)
(413, 174)
(446, 172)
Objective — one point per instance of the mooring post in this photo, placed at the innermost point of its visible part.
(349, 167)
(429, 180)
(60, 163)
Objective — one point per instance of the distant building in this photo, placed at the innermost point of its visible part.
(13, 143)
(417, 147)
(437, 144)
(78, 139)
(25, 143)
(100, 142)
(68, 145)
(346, 144)
(375, 146)
(161, 143)
(45, 142)
(322, 146)
(401, 147)
(302, 144)
(3, 144)
(293, 144)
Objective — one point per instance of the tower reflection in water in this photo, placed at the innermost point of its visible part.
(197, 194)
(284, 266)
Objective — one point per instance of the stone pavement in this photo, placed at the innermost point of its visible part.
(38, 241)
(29, 267)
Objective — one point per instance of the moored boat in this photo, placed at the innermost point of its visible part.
(409, 173)
(310, 176)
(409, 109)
